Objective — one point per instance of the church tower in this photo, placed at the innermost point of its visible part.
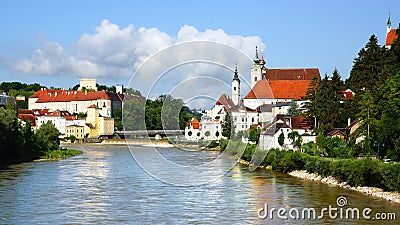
(388, 26)
(236, 88)
(256, 70)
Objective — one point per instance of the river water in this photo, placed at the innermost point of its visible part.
(105, 185)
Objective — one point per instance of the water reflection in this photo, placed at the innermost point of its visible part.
(105, 185)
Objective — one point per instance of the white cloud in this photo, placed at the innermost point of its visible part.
(115, 52)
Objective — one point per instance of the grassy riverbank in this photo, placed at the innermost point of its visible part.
(60, 154)
(355, 172)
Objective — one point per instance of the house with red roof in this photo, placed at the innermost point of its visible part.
(193, 130)
(26, 115)
(391, 34)
(75, 101)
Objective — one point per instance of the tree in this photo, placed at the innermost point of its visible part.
(296, 139)
(281, 139)
(254, 134)
(311, 95)
(133, 92)
(49, 134)
(207, 133)
(118, 118)
(370, 67)
(10, 104)
(293, 109)
(227, 126)
(9, 134)
(385, 127)
(190, 133)
(134, 115)
(170, 113)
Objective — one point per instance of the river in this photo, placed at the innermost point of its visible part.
(105, 185)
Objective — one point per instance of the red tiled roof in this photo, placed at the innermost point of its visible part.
(25, 111)
(67, 96)
(28, 117)
(348, 95)
(71, 117)
(43, 112)
(224, 100)
(391, 37)
(292, 74)
(301, 122)
(287, 89)
(195, 123)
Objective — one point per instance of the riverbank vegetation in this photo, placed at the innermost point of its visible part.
(19, 143)
(59, 154)
(355, 172)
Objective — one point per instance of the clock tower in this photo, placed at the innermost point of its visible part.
(236, 88)
(256, 70)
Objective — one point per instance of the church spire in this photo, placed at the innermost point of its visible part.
(256, 59)
(388, 25)
(236, 75)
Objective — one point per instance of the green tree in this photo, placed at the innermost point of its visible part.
(293, 109)
(311, 106)
(227, 126)
(118, 118)
(296, 139)
(370, 67)
(385, 129)
(254, 134)
(49, 134)
(133, 92)
(207, 133)
(9, 134)
(281, 139)
(133, 115)
(170, 113)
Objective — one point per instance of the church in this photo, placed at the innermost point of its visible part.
(272, 91)
(391, 34)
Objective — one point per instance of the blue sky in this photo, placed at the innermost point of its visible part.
(56, 42)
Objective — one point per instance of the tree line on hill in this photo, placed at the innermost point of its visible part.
(374, 79)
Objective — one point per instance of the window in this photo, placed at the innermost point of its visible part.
(255, 78)
(104, 104)
(252, 119)
(242, 126)
(242, 119)
(234, 88)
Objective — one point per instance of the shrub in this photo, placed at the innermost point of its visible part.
(223, 143)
